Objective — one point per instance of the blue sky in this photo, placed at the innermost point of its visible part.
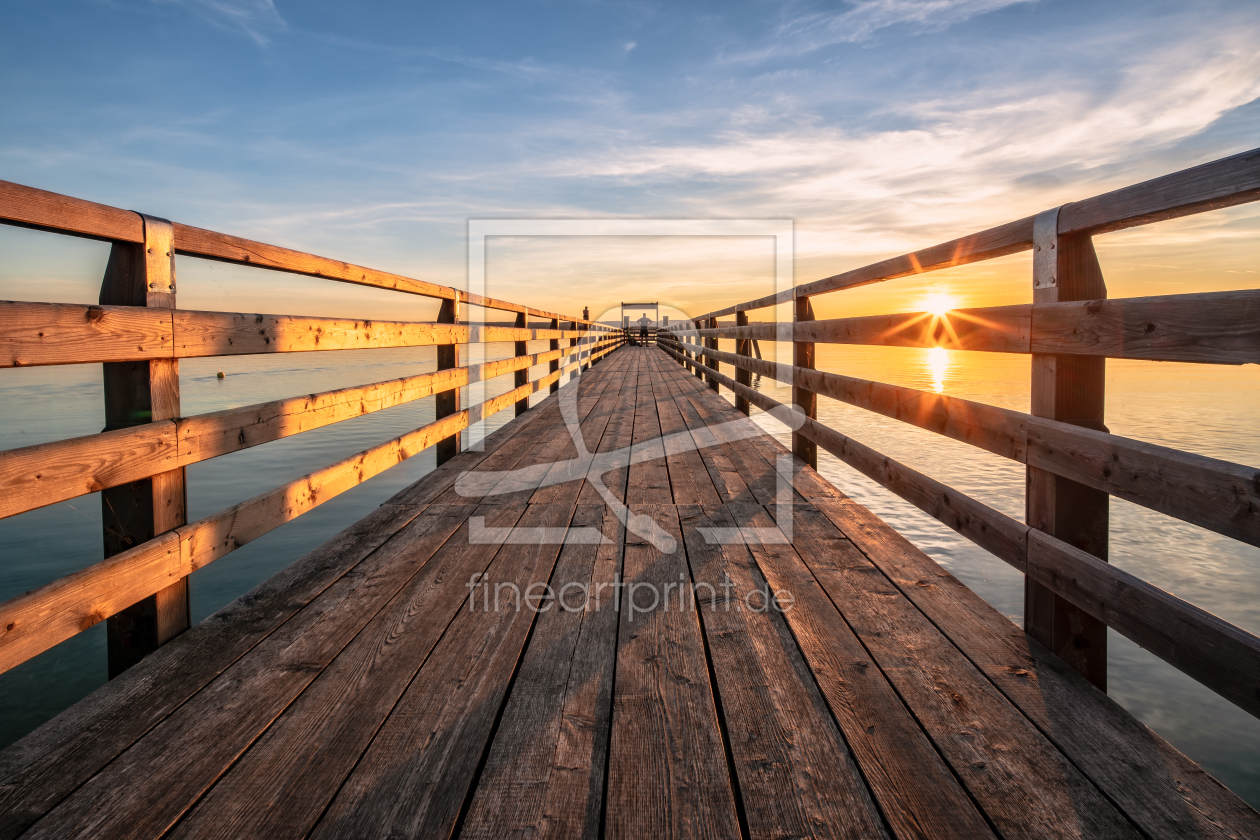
(371, 131)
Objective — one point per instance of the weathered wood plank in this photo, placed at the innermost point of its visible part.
(46, 765)
(777, 725)
(1163, 792)
(649, 479)
(192, 747)
(1215, 328)
(46, 473)
(1022, 783)
(29, 207)
(618, 434)
(1221, 183)
(62, 334)
(40, 619)
(913, 785)
(688, 478)
(283, 783)
(414, 778)
(667, 774)
(545, 769)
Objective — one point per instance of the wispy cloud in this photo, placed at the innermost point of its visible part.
(866, 17)
(256, 19)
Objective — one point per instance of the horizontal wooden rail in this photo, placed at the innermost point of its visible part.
(48, 473)
(58, 334)
(29, 207)
(1218, 495)
(1222, 183)
(1212, 327)
(38, 620)
(1221, 656)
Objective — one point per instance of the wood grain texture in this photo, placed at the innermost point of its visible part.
(42, 768)
(35, 476)
(1022, 783)
(545, 770)
(774, 717)
(1162, 791)
(1214, 328)
(1214, 652)
(668, 775)
(63, 334)
(29, 207)
(34, 622)
(284, 782)
(916, 792)
(192, 747)
(413, 779)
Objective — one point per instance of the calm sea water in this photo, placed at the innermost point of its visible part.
(1205, 409)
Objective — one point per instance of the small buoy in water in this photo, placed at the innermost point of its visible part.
(221, 374)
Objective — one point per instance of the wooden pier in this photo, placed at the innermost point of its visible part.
(630, 613)
(368, 692)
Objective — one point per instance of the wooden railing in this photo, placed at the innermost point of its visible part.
(138, 462)
(1074, 463)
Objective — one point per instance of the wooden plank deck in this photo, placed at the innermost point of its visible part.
(369, 691)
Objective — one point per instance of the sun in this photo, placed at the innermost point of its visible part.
(939, 303)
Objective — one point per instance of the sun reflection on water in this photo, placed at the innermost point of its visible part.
(938, 366)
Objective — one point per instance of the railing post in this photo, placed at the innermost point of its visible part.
(555, 363)
(1071, 389)
(447, 402)
(695, 355)
(522, 376)
(136, 393)
(712, 344)
(742, 375)
(803, 356)
(573, 325)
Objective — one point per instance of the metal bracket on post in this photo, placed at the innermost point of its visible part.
(1046, 249)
